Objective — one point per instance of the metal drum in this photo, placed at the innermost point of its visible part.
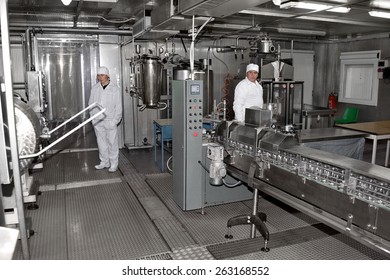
(151, 79)
(27, 130)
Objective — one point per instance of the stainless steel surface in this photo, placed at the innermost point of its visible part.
(337, 185)
(69, 68)
(151, 80)
(28, 131)
(311, 112)
(258, 117)
(285, 99)
(328, 133)
(37, 98)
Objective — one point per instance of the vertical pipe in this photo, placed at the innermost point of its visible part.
(12, 127)
(209, 99)
(28, 49)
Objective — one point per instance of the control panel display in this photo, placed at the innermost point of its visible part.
(195, 89)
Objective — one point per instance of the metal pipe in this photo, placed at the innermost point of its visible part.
(69, 133)
(12, 127)
(208, 80)
(79, 113)
(77, 30)
(29, 49)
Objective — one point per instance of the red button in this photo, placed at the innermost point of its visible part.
(195, 107)
(196, 134)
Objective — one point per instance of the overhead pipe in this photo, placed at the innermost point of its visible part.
(88, 31)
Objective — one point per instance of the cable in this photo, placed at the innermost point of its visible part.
(231, 186)
(227, 68)
(170, 170)
(165, 105)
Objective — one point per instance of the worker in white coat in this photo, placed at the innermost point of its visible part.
(108, 96)
(248, 93)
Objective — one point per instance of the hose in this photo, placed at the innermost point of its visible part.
(236, 184)
(170, 170)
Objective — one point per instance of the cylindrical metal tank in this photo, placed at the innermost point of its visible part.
(207, 78)
(152, 80)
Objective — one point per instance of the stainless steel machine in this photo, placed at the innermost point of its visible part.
(350, 195)
(147, 80)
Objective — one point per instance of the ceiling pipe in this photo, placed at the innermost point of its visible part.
(87, 31)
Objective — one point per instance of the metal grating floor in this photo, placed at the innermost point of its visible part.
(130, 214)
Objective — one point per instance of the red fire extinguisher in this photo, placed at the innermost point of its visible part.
(332, 101)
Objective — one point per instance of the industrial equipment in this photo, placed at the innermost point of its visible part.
(187, 99)
(147, 80)
(285, 100)
(204, 73)
(192, 186)
(350, 195)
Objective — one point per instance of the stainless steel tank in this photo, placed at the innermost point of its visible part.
(151, 70)
(207, 78)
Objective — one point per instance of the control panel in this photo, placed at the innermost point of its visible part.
(194, 110)
(187, 112)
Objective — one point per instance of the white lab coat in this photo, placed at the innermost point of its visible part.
(246, 94)
(105, 125)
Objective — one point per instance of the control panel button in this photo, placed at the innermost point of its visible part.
(196, 134)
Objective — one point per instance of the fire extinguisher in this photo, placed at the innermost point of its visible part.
(332, 101)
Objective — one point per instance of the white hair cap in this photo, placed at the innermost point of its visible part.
(103, 71)
(252, 67)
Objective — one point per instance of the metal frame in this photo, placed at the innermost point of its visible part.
(70, 132)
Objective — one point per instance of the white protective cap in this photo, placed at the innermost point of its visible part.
(252, 67)
(103, 70)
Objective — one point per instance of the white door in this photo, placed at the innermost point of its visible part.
(303, 63)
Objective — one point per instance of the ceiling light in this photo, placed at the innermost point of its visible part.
(379, 14)
(343, 10)
(301, 31)
(66, 2)
(313, 6)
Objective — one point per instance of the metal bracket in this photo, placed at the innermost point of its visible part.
(373, 218)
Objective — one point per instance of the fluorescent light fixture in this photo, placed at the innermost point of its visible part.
(379, 14)
(313, 6)
(231, 26)
(301, 31)
(66, 2)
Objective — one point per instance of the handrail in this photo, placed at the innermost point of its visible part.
(70, 132)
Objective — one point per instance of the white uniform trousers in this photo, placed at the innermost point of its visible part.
(107, 139)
